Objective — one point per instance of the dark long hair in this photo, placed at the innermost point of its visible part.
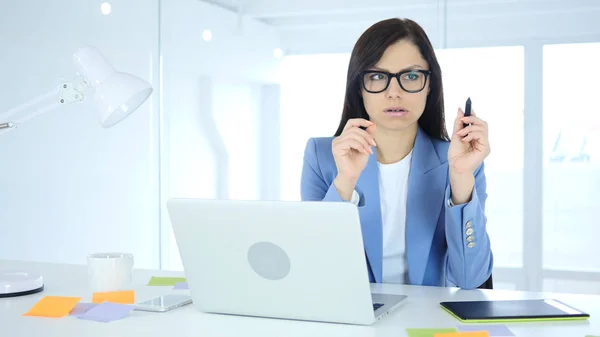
(366, 53)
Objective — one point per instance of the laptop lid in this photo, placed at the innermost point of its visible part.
(285, 259)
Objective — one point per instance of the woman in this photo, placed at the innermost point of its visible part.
(420, 194)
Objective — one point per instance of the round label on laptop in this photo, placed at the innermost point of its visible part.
(269, 260)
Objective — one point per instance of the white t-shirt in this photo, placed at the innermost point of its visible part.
(393, 194)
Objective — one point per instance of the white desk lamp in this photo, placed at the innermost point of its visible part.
(116, 95)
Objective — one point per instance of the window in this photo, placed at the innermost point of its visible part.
(198, 119)
(312, 98)
(571, 177)
(494, 79)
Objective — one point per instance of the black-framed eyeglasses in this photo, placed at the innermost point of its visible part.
(374, 81)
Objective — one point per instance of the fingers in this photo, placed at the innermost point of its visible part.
(463, 126)
(476, 135)
(473, 120)
(371, 130)
(357, 145)
(356, 135)
(363, 134)
(472, 128)
(478, 141)
(458, 124)
(472, 132)
(357, 122)
(347, 142)
(476, 129)
(353, 137)
(361, 140)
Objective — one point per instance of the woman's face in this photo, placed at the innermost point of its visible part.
(395, 109)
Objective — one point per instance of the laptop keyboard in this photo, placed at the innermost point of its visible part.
(377, 306)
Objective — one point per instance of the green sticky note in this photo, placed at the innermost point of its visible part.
(426, 332)
(165, 281)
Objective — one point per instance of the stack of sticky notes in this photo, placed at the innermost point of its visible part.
(105, 306)
(496, 330)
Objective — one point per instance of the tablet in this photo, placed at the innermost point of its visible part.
(513, 310)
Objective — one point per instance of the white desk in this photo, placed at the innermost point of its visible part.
(421, 310)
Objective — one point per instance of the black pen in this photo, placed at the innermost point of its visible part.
(467, 110)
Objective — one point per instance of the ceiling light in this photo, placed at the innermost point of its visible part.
(106, 8)
(207, 35)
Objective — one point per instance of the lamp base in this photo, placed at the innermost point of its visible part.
(14, 283)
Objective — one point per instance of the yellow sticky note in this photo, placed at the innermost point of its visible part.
(121, 297)
(464, 334)
(53, 306)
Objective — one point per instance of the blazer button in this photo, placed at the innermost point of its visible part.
(471, 245)
(469, 231)
(470, 238)
(469, 224)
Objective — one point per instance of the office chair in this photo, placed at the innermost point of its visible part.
(489, 284)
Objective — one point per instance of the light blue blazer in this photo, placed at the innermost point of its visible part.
(440, 248)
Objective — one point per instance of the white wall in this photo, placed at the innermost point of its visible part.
(68, 187)
(240, 48)
(105, 190)
(213, 99)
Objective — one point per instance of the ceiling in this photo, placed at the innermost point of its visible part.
(336, 24)
(286, 13)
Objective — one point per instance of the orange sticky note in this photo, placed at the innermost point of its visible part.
(464, 334)
(121, 297)
(53, 306)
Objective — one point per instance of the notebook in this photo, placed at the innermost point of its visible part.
(512, 310)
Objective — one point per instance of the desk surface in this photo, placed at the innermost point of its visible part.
(421, 310)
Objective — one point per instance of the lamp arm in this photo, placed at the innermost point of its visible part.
(66, 93)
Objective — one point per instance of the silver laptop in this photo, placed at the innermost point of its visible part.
(281, 259)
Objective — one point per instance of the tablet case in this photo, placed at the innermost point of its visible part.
(512, 310)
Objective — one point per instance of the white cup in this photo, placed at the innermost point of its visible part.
(110, 271)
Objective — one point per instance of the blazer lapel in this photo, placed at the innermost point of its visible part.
(426, 187)
(370, 214)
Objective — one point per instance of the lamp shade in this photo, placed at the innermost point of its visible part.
(117, 94)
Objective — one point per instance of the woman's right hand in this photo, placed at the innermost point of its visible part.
(351, 152)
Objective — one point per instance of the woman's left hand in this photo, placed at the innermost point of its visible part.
(469, 146)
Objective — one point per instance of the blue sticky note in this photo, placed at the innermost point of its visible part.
(181, 286)
(107, 312)
(81, 308)
(496, 330)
